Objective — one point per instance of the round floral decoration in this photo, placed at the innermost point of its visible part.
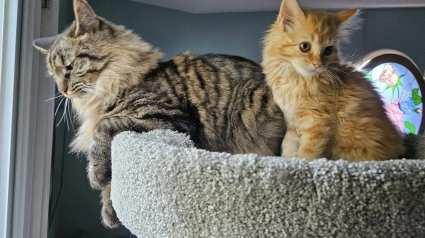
(401, 94)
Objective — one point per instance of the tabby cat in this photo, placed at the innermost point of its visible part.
(330, 109)
(116, 82)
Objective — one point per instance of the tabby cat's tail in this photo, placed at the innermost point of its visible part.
(415, 146)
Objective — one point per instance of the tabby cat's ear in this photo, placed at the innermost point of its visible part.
(85, 19)
(290, 13)
(43, 44)
(345, 15)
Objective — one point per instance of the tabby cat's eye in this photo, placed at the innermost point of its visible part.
(68, 71)
(328, 50)
(305, 47)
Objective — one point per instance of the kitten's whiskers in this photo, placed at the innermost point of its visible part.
(334, 85)
(337, 78)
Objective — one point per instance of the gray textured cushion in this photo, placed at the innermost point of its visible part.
(164, 187)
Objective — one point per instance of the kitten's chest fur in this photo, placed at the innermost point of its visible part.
(301, 100)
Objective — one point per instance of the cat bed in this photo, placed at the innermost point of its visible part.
(164, 187)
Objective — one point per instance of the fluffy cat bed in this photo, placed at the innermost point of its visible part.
(164, 187)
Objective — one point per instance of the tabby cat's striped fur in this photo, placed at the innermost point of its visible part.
(116, 83)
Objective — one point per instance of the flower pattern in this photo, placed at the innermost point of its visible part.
(395, 114)
(401, 95)
(407, 105)
(389, 75)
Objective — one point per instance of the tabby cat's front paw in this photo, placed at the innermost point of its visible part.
(109, 216)
(99, 175)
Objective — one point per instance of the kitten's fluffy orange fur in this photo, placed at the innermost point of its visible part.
(331, 110)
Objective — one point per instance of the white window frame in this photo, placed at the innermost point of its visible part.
(8, 46)
(26, 119)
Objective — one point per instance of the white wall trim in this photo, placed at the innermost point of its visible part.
(220, 6)
(35, 120)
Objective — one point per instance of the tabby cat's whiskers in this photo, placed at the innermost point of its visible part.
(67, 113)
(92, 87)
(56, 96)
(70, 114)
(60, 102)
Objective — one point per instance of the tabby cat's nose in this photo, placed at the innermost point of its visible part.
(64, 90)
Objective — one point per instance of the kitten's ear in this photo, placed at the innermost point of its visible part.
(43, 44)
(290, 12)
(345, 15)
(85, 18)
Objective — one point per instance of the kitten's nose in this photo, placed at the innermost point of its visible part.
(317, 65)
(64, 90)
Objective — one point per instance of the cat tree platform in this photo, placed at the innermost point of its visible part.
(164, 187)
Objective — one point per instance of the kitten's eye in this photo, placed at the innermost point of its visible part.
(305, 47)
(328, 50)
(68, 71)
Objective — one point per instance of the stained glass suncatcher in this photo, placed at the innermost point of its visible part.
(400, 85)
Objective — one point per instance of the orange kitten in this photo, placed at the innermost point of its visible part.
(331, 110)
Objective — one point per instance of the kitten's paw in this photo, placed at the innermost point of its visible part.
(308, 157)
(109, 216)
(287, 155)
(99, 175)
